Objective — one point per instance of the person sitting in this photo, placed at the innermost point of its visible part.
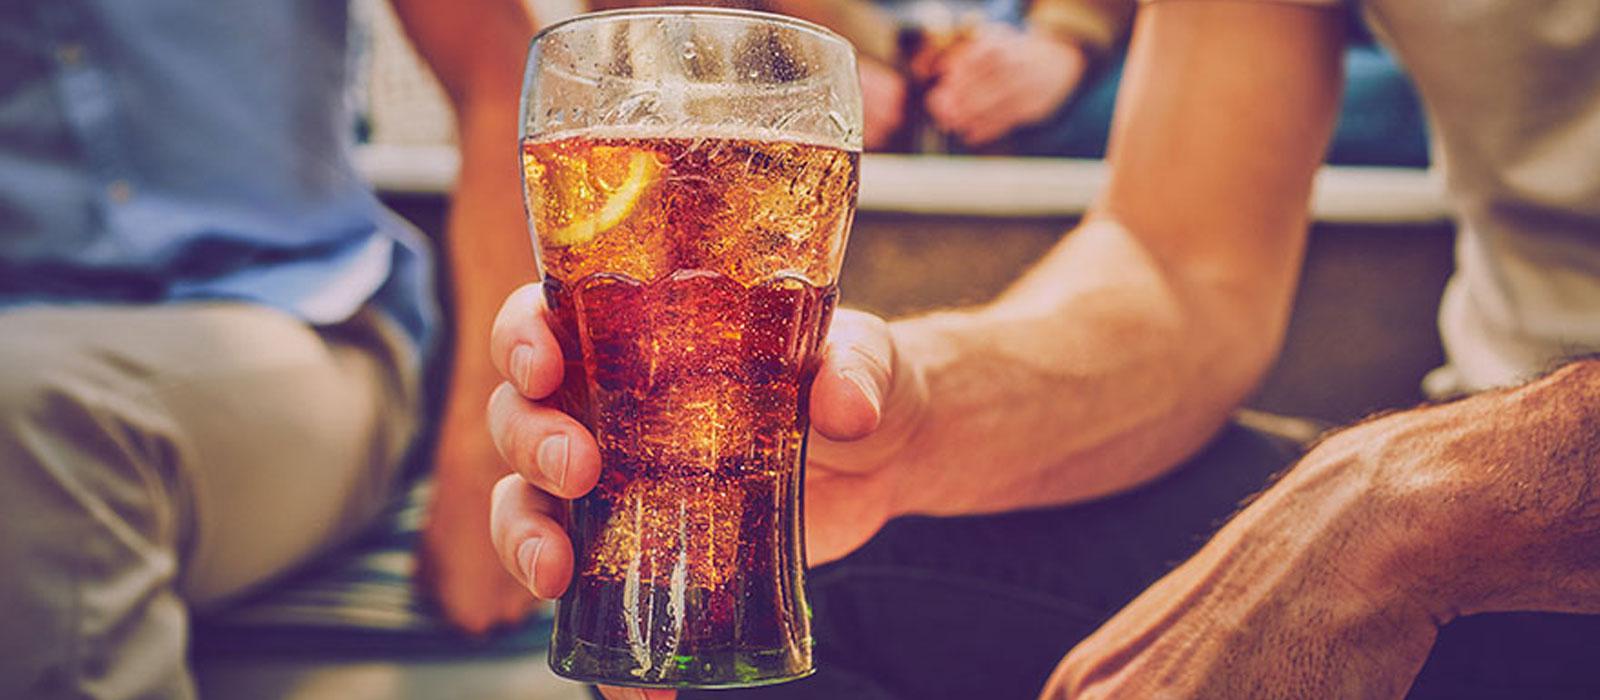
(213, 334)
(1039, 78)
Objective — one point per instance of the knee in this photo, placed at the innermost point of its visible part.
(71, 420)
(43, 380)
(83, 452)
(41, 410)
(88, 533)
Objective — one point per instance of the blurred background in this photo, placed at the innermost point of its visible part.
(967, 183)
(953, 224)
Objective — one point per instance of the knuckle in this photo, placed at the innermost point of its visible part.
(522, 435)
(523, 306)
(505, 489)
(503, 419)
(500, 398)
(874, 362)
(861, 320)
(531, 294)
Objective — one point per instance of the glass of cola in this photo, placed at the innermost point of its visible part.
(690, 177)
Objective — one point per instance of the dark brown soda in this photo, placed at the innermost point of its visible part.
(691, 318)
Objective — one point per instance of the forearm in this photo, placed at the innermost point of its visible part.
(1487, 504)
(1334, 581)
(487, 247)
(477, 49)
(1097, 372)
(1126, 348)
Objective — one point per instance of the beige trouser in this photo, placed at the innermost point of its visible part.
(161, 459)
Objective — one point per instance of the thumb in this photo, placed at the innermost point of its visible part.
(857, 370)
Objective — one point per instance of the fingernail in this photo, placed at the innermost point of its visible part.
(553, 459)
(521, 365)
(527, 557)
(868, 387)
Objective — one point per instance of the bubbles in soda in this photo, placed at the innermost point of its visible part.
(690, 282)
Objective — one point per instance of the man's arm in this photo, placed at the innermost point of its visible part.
(1502, 493)
(1126, 348)
(1115, 358)
(1333, 582)
(477, 49)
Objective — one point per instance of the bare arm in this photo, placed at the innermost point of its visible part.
(1334, 582)
(477, 48)
(1117, 356)
(1124, 349)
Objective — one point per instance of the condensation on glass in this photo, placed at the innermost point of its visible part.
(691, 178)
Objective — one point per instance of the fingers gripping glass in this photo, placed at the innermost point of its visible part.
(690, 178)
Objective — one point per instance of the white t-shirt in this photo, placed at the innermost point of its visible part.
(1512, 91)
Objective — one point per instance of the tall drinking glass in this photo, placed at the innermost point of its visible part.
(690, 178)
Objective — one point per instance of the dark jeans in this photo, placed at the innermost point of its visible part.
(984, 607)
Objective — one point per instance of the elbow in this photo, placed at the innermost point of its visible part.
(1234, 332)
(1245, 344)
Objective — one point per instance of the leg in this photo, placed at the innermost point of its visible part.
(984, 607)
(157, 457)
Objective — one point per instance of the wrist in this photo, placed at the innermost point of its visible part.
(1519, 477)
(925, 348)
(1483, 505)
(1338, 513)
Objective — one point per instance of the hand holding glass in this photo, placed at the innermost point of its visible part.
(691, 178)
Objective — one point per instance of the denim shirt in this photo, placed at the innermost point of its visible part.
(162, 150)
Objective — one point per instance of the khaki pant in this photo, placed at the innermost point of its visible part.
(160, 459)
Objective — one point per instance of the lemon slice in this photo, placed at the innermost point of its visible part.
(616, 201)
